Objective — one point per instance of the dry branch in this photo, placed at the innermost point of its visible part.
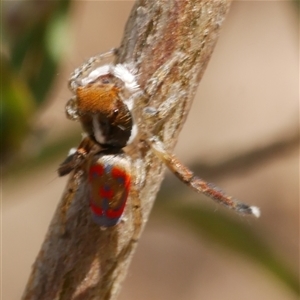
(89, 263)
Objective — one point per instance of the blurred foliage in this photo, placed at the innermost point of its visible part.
(17, 106)
(33, 39)
(229, 231)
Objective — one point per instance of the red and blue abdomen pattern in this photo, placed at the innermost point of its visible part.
(109, 180)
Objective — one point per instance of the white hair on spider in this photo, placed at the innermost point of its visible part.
(100, 71)
(255, 211)
(127, 74)
(72, 151)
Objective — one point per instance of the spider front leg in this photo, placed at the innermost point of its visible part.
(161, 73)
(153, 117)
(74, 81)
(79, 78)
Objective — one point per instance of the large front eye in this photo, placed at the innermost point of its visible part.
(105, 80)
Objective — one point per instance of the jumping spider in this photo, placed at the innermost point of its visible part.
(103, 102)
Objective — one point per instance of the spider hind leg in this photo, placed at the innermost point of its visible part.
(198, 184)
(154, 116)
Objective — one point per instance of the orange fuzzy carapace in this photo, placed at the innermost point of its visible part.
(94, 98)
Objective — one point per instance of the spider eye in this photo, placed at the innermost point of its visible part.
(105, 80)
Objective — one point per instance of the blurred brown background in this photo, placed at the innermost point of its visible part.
(247, 100)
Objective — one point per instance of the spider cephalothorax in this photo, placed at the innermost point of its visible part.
(103, 102)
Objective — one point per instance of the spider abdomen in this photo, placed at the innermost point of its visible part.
(109, 184)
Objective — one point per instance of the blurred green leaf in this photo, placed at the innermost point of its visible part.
(17, 107)
(34, 38)
(238, 236)
(34, 31)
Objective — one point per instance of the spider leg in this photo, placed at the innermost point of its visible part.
(77, 156)
(68, 197)
(196, 183)
(74, 162)
(161, 73)
(88, 65)
(153, 117)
